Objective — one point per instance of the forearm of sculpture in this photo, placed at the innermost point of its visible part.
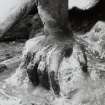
(54, 15)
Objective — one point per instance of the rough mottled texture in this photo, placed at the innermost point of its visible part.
(10, 49)
(74, 69)
(26, 28)
(19, 9)
(77, 86)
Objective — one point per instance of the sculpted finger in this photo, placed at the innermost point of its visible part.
(42, 70)
(55, 60)
(32, 70)
(36, 67)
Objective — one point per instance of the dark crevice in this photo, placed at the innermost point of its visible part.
(3, 68)
(68, 52)
(20, 29)
(27, 59)
(33, 10)
(84, 64)
(38, 77)
(83, 20)
(54, 83)
(33, 75)
(44, 79)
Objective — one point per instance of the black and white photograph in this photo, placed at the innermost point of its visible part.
(52, 52)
